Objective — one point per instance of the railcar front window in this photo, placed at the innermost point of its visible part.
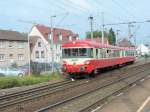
(77, 53)
(83, 52)
(66, 52)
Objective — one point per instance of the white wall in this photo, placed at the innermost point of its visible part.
(142, 50)
(46, 47)
(39, 49)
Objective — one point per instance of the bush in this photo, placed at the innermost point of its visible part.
(55, 76)
(9, 82)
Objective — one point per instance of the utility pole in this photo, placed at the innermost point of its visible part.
(130, 35)
(52, 43)
(129, 30)
(135, 40)
(91, 25)
(102, 41)
(29, 57)
(117, 33)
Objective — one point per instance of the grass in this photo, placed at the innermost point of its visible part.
(9, 82)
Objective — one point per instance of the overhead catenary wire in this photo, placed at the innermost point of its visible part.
(129, 22)
(74, 6)
(63, 18)
(123, 8)
(109, 10)
(80, 6)
(57, 5)
(112, 15)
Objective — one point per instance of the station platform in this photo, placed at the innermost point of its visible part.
(135, 99)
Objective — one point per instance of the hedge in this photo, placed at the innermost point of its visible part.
(9, 82)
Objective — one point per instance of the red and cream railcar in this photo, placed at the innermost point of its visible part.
(86, 57)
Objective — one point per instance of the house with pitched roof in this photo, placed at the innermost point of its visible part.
(125, 43)
(40, 43)
(143, 50)
(13, 48)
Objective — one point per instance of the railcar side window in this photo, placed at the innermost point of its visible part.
(103, 52)
(116, 53)
(66, 52)
(91, 52)
(129, 53)
(97, 53)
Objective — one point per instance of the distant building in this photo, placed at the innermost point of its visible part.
(13, 48)
(125, 43)
(143, 49)
(40, 44)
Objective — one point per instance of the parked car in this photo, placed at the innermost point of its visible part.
(25, 69)
(11, 72)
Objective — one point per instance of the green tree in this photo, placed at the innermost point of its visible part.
(111, 37)
(96, 34)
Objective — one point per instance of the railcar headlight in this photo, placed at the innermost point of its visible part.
(82, 68)
(87, 62)
(64, 69)
(64, 63)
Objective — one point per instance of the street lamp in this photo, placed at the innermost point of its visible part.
(91, 24)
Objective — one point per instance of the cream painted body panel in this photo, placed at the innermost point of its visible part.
(76, 61)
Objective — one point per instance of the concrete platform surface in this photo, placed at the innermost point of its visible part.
(135, 99)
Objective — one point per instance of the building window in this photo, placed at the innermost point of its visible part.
(70, 38)
(60, 37)
(10, 55)
(42, 54)
(39, 44)
(10, 44)
(20, 44)
(36, 54)
(1, 44)
(2, 57)
(20, 56)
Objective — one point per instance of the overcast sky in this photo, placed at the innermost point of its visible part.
(73, 14)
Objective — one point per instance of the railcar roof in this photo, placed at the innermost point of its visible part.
(88, 43)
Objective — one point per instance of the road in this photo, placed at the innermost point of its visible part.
(135, 99)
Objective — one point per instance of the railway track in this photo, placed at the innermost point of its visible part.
(124, 83)
(17, 99)
(27, 95)
(112, 95)
(31, 90)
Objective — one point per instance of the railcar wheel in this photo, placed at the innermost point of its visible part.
(94, 73)
(86, 76)
(71, 76)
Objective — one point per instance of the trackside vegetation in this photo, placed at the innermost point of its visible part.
(9, 82)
